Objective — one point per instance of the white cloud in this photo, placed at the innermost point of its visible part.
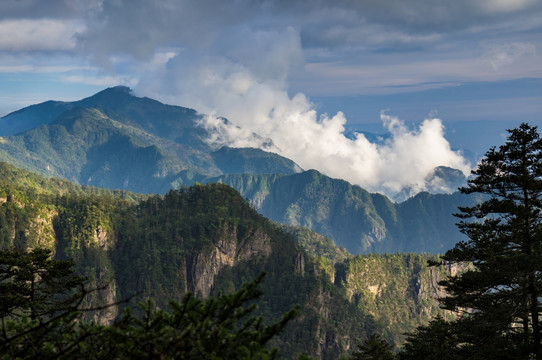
(504, 6)
(405, 160)
(38, 34)
(254, 102)
(239, 59)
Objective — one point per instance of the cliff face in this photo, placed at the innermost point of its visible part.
(228, 250)
(400, 291)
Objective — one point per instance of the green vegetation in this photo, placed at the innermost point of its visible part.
(374, 348)
(118, 141)
(400, 291)
(194, 244)
(317, 245)
(207, 240)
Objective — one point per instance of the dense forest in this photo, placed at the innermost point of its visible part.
(75, 261)
(207, 240)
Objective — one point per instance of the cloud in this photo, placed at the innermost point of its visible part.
(404, 160)
(253, 96)
(38, 34)
(505, 6)
(498, 56)
(105, 81)
(241, 67)
(254, 61)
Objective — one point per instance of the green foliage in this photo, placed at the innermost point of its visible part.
(350, 216)
(39, 304)
(397, 290)
(318, 245)
(436, 341)
(374, 348)
(252, 161)
(207, 240)
(116, 140)
(30, 282)
(215, 328)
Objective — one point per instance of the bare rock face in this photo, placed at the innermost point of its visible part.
(228, 250)
(299, 262)
(41, 228)
(101, 238)
(107, 296)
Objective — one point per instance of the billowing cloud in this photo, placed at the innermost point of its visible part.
(404, 160)
(253, 95)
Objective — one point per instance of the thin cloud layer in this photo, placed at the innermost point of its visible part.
(38, 34)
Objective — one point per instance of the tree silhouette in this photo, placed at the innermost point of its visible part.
(498, 301)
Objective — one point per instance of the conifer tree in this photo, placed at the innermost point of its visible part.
(499, 299)
(374, 348)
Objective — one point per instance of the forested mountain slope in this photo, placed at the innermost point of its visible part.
(206, 239)
(355, 219)
(116, 140)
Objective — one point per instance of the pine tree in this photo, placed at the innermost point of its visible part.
(374, 348)
(436, 341)
(499, 299)
(40, 303)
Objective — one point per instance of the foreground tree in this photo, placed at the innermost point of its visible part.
(42, 302)
(374, 348)
(222, 327)
(498, 301)
(436, 341)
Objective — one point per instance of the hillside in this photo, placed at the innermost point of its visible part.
(207, 239)
(355, 219)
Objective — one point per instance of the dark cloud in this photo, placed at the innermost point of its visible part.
(139, 27)
(36, 9)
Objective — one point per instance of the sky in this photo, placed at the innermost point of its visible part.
(443, 78)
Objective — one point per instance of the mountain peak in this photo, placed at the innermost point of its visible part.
(119, 89)
(117, 96)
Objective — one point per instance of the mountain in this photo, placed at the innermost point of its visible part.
(119, 141)
(206, 239)
(116, 140)
(355, 219)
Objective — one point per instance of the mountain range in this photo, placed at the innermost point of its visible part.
(119, 141)
(135, 193)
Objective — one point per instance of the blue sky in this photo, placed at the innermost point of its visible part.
(277, 67)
